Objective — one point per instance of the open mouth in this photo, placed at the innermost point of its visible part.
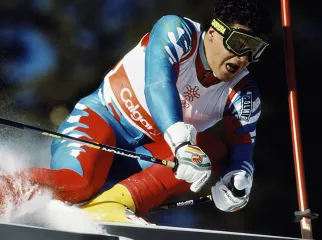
(232, 68)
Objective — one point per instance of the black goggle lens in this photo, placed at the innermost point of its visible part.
(243, 44)
(239, 41)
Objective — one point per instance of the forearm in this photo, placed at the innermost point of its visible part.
(240, 158)
(164, 104)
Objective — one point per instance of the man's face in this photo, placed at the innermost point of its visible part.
(223, 63)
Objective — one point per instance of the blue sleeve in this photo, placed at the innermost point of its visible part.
(170, 39)
(241, 114)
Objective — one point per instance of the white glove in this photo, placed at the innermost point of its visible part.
(194, 165)
(231, 193)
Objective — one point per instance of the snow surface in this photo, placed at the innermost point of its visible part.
(42, 210)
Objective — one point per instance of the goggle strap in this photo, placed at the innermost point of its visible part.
(220, 27)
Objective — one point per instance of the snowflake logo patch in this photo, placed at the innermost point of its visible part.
(192, 93)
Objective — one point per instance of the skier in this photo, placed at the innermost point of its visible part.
(181, 79)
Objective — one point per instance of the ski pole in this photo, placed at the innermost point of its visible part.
(183, 203)
(91, 144)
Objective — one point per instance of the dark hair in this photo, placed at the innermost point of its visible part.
(244, 12)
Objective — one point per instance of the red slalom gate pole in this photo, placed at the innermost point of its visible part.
(304, 215)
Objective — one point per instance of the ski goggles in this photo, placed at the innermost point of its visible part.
(239, 41)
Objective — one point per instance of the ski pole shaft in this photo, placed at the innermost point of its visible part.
(183, 203)
(91, 144)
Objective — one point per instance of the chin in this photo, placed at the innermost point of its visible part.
(226, 78)
(224, 75)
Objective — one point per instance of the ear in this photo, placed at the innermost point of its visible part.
(210, 34)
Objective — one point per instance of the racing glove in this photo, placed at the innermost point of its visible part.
(193, 165)
(231, 193)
